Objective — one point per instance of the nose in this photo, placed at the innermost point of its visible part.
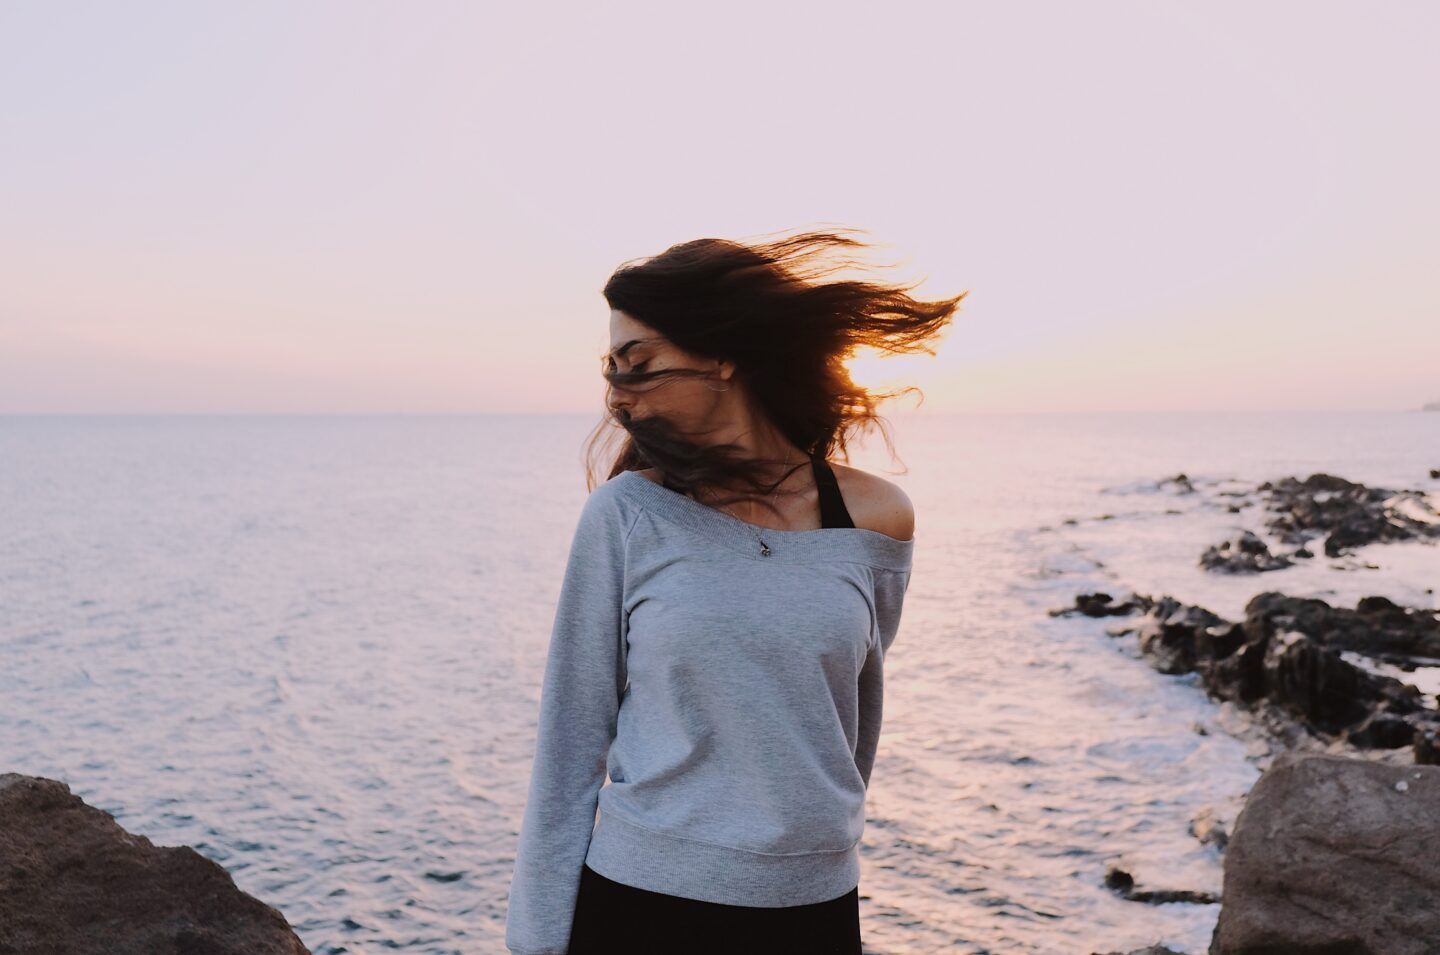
(620, 402)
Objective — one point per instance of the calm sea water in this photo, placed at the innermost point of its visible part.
(311, 647)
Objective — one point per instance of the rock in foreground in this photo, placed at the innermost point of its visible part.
(1334, 855)
(73, 882)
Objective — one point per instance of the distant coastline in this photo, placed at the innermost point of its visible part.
(1430, 406)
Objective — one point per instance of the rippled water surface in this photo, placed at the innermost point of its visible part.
(311, 647)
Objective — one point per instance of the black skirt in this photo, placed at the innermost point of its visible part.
(613, 917)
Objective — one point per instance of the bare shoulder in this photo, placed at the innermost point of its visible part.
(876, 503)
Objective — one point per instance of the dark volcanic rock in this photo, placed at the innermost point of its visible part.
(1181, 482)
(1176, 636)
(1377, 627)
(1306, 676)
(1123, 884)
(1332, 855)
(1247, 554)
(1349, 514)
(1427, 745)
(1097, 605)
(73, 882)
(1271, 663)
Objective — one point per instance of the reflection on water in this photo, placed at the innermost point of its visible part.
(312, 648)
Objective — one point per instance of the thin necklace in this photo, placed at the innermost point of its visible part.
(764, 547)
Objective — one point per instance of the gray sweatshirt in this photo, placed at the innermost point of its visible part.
(733, 700)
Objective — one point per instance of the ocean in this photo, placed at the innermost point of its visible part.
(311, 648)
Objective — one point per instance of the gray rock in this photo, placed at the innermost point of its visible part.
(73, 882)
(1333, 855)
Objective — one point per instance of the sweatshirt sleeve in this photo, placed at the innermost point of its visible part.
(889, 596)
(580, 694)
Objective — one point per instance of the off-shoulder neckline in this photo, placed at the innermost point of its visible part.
(853, 543)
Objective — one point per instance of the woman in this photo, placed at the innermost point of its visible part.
(719, 641)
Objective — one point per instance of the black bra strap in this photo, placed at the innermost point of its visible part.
(833, 512)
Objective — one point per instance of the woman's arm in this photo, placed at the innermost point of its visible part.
(579, 703)
(889, 595)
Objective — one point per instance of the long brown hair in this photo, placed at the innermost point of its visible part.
(766, 307)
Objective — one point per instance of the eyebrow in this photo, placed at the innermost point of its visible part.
(619, 352)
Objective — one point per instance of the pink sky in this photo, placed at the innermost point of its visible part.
(372, 207)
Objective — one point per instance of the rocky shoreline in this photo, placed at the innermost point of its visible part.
(1337, 847)
(1285, 664)
(1335, 851)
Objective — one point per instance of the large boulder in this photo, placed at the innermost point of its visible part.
(73, 882)
(1334, 856)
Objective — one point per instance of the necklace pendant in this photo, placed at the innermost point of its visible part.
(764, 549)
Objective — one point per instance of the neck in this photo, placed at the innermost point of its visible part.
(757, 439)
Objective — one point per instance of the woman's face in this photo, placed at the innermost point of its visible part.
(684, 400)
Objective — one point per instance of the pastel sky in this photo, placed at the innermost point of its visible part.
(411, 207)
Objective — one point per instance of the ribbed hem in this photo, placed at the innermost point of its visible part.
(640, 857)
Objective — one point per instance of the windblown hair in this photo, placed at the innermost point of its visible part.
(767, 307)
